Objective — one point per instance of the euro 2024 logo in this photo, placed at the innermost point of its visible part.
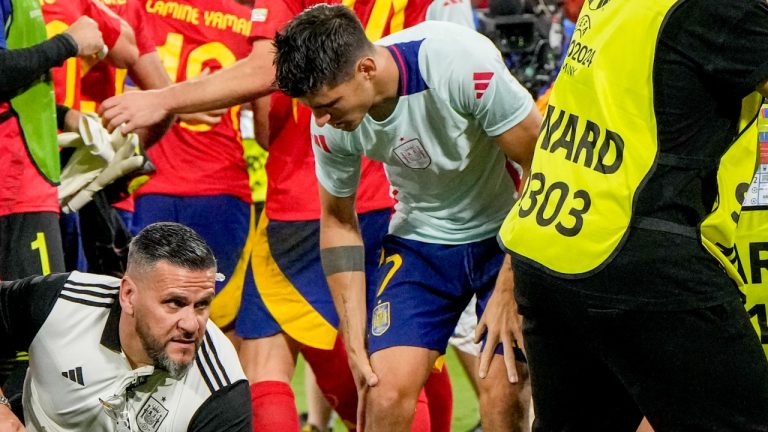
(582, 26)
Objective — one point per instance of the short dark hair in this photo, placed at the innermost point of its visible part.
(321, 46)
(173, 243)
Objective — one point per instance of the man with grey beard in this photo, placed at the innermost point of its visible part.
(130, 354)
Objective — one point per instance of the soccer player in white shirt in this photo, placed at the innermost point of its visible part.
(436, 104)
(131, 354)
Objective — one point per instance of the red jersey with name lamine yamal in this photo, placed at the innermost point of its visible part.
(103, 80)
(292, 191)
(59, 15)
(197, 160)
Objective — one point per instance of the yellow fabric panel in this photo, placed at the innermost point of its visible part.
(255, 161)
(227, 302)
(718, 231)
(439, 363)
(288, 307)
(752, 259)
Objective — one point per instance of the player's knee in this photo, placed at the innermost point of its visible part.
(391, 400)
(497, 392)
(260, 368)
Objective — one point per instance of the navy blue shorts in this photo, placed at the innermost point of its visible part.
(225, 223)
(291, 294)
(420, 290)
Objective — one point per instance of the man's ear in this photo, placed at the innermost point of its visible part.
(127, 294)
(367, 66)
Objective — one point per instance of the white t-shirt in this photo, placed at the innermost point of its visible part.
(70, 324)
(455, 11)
(448, 175)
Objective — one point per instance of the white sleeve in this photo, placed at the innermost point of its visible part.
(336, 167)
(458, 12)
(480, 85)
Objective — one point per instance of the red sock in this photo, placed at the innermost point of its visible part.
(421, 420)
(335, 380)
(440, 400)
(274, 407)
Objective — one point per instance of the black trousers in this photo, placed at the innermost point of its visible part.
(30, 244)
(602, 369)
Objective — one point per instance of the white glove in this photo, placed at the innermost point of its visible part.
(95, 137)
(127, 159)
(99, 159)
(69, 139)
(81, 169)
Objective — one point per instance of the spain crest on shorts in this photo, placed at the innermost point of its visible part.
(380, 319)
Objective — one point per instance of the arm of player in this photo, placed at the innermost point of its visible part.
(260, 109)
(240, 83)
(24, 307)
(228, 409)
(518, 142)
(483, 88)
(148, 73)
(340, 240)
(21, 67)
(501, 323)
(8, 420)
(123, 51)
(87, 36)
(67, 119)
(210, 118)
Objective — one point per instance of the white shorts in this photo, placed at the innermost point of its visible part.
(464, 334)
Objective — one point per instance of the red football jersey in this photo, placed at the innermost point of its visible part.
(59, 15)
(132, 11)
(103, 80)
(23, 189)
(379, 17)
(292, 190)
(200, 160)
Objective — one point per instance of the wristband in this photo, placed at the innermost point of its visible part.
(342, 259)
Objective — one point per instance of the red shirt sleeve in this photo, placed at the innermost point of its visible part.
(108, 24)
(133, 13)
(269, 16)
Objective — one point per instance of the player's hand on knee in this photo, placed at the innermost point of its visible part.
(8, 420)
(362, 371)
(500, 323)
(365, 378)
(362, 400)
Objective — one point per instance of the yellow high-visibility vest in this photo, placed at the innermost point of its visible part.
(598, 147)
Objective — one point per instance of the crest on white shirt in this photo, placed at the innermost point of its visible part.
(151, 416)
(413, 154)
